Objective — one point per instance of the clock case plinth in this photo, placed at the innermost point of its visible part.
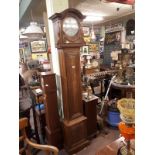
(74, 123)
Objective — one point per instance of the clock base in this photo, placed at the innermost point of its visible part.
(54, 137)
(75, 134)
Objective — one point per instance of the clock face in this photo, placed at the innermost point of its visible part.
(70, 26)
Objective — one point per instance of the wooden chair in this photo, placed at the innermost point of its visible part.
(22, 86)
(97, 88)
(28, 144)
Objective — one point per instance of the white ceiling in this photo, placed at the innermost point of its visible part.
(108, 10)
(98, 7)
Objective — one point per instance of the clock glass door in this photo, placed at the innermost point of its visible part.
(70, 26)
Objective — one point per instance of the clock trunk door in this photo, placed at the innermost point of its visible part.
(73, 82)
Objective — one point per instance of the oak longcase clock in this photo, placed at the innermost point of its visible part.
(68, 40)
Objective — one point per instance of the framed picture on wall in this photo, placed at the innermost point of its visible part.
(21, 54)
(85, 50)
(93, 47)
(87, 39)
(101, 43)
(113, 38)
(86, 31)
(38, 46)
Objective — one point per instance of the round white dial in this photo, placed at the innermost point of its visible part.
(70, 26)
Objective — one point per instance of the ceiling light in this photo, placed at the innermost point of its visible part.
(91, 18)
(33, 31)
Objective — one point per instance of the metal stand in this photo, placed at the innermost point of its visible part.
(106, 95)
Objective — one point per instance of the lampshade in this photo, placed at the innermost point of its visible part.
(21, 30)
(23, 38)
(33, 31)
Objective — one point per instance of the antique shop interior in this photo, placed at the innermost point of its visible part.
(77, 77)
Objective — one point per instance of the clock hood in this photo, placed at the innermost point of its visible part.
(69, 11)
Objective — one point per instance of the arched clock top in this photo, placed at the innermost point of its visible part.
(67, 12)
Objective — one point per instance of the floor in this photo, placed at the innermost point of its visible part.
(97, 143)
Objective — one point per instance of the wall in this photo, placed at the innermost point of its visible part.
(108, 49)
(55, 6)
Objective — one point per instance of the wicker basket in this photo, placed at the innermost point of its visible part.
(127, 108)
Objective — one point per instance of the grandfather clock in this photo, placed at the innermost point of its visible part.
(68, 40)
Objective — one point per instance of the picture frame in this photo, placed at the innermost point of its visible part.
(98, 37)
(21, 55)
(93, 47)
(101, 43)
(21, 52)
(38, 46)
(113, 38)
(86, 31)
(85, 49)
(87, 39)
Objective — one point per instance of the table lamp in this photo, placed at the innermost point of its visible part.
(127, 126)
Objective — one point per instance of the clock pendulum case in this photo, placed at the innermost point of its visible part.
(68, 40)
